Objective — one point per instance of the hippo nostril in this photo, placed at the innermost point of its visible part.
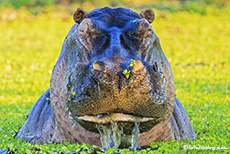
(99, 66)
(138, 66)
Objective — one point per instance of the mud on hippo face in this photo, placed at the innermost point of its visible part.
(113, 70)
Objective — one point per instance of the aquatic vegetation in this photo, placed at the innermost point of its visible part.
(197, 47)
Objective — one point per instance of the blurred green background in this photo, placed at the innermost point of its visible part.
(131, 3)
(194, 35)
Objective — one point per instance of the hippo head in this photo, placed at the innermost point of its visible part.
(112, 68)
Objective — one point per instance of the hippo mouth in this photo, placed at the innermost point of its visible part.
(124, 121)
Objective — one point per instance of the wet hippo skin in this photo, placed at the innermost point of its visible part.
(111, 68)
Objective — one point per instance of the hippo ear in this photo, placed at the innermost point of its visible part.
(79, 15)
(148, 14)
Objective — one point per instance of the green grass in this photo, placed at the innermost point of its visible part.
(197, 47)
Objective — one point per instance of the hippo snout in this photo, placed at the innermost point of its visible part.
(137, 66)
(128, 88)
(121, 74)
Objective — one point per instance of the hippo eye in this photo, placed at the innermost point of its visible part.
(86, 29)
(81, 33)
(85, 33)
(142, 33)
(137, 34)
(148, 33)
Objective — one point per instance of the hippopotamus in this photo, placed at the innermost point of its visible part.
(111, 71)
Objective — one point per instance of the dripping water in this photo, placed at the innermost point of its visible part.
(113, 137)
(110, 135)
(134, 141)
